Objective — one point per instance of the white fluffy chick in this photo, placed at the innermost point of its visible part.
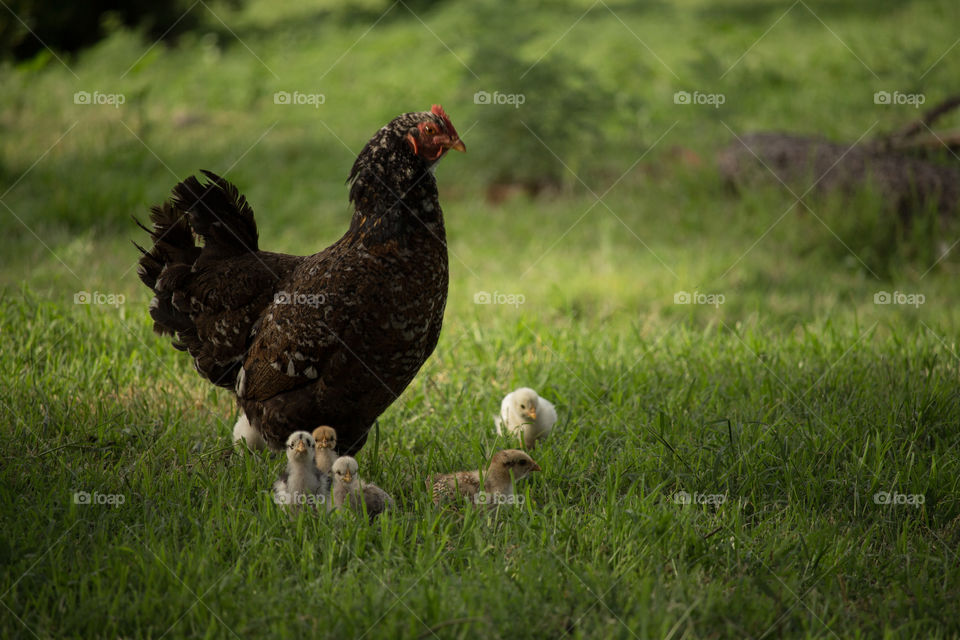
(244, 431)
(525, 415)
(302, 483)
(506, 467)
(326, 438)
(349, 490)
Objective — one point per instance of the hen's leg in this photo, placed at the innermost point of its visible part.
(243, 430)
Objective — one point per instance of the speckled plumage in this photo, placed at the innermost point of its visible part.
(332, 338)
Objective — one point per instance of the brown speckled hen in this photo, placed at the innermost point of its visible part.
(331, 338)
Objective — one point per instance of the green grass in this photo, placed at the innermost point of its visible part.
(797, 399)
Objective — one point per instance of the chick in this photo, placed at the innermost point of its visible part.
(525, 415)
(326, 438)
(350, 489)
(302, 483)
(244, 431)
(506, 467)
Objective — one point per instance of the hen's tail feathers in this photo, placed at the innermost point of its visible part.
(219, 215)
(173, 246)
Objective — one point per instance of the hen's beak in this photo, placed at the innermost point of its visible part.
(457, 145)
(347, 477)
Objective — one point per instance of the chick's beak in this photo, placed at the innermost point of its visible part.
(347, 477)
(300, 448)
(535, 467)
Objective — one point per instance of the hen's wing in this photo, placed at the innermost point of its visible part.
(291, 344)
(328, 354)
(298, 350)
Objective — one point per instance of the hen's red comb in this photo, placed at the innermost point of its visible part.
(437, 110)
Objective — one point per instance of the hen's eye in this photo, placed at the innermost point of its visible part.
(430, 130)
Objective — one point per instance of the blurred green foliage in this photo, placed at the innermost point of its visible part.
(554, 110)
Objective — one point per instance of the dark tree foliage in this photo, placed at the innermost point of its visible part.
(28, 26)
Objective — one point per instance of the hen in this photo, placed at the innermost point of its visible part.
(332, 338)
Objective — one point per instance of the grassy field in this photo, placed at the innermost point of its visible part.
(814, 431)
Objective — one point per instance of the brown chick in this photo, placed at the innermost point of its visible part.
(326, 455)
(506, 467)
